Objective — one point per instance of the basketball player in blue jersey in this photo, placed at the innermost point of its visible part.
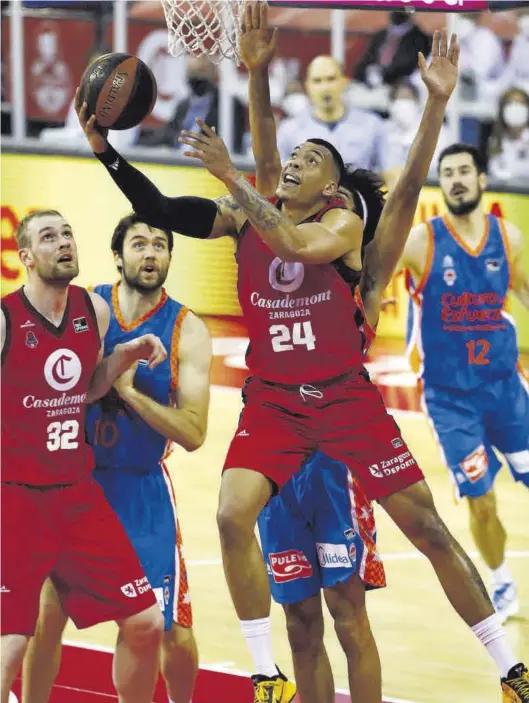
(463, 345)
(131, 431)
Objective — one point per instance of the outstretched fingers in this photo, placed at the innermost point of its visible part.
(453, 50)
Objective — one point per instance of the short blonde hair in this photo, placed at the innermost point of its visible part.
(22, 235)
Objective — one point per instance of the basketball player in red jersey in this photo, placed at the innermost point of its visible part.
(55, 519)
(308, 390)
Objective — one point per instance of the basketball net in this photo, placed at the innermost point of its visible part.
(209, 28)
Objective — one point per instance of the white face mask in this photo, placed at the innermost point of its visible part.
(465, 27)
(516, 114)
(404, 112)
(295, 103)
(523, 23)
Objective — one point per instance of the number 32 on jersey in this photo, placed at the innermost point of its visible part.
(285, 338)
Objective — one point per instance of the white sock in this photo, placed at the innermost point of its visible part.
(258, 636)
(501, 575)
(492, 635)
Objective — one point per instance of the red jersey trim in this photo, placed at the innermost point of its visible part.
(56, 331)
(129, 327)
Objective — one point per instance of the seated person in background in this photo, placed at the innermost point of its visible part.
(357, 134)
(405, 110)
(482, 58)
(509, 144)
(392, 53)
(202, 103)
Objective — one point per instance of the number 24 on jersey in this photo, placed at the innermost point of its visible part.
(285, 338)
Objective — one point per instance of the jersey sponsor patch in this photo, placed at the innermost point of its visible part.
(333, 556)
(290, 565)
(158, 592)
(31, 340)
(80, 324)
(476, 465)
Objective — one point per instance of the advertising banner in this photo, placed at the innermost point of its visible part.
(203, 273)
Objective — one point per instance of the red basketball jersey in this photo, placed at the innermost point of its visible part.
(46, 371)
(301, 318)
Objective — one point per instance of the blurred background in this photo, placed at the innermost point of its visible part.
(372, 82)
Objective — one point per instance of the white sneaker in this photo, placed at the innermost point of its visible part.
(505, 600)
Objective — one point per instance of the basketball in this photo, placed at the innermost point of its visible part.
(119, 89)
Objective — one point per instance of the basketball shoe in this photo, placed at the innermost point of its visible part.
(505, 600)
(515, 686)
(278, 689)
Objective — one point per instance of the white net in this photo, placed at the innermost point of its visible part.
(205, 27)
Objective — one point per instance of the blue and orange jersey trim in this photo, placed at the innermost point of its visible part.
(482, 242)
(130, 326)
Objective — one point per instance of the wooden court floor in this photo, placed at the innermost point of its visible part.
(428, 655)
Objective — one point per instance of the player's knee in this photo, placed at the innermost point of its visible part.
(483, 509)
(13, 650)
(353, 630)
(145, 629)
(305, 626)
(178, 640)
(235, 527)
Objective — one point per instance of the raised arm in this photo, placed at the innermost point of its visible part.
(383, 253)
(185, 424)
(258, 46)
(339, 232)
(200, 218)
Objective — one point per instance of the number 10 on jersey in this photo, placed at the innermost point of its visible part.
(285, 338)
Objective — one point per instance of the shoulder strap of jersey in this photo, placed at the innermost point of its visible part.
(175, 345)
(91, 310)
(335, 204)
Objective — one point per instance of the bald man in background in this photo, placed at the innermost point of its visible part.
(358, 135)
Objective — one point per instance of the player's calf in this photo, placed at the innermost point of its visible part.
(13, 648)
(179, 663)
(312, 669)
(346, 603)
(137, 657)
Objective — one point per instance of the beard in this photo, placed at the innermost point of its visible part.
(135, 280)
(58, 275)
(464, 207)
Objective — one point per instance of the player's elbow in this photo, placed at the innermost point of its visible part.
(195, 438)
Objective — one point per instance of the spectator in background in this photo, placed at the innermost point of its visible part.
(405, 112)
(392, 53)
(357, 134)
(482, 58)
(517, 69)
(202, 102)
(509, 145)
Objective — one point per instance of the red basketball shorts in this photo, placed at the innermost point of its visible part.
(280, 427)
(71, 534)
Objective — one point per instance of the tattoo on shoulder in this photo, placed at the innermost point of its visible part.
(227, 201)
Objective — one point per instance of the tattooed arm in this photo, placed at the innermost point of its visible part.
(338, 233)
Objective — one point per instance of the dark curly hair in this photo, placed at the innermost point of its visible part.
(369, 195)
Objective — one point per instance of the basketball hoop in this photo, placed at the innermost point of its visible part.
(209, 28)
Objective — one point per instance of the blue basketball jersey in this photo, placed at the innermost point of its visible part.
(459, 334)
(120, 438)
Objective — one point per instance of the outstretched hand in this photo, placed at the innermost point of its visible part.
(258, 41)
(97, 136)
(440, 77)
(210, 149)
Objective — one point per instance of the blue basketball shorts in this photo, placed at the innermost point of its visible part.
(470, 425)
(146, 506)
(318, 532)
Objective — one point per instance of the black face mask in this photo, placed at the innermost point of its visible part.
(199, 86)
(398, 17)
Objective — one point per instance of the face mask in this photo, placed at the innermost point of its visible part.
(295, 103)
(523, 23)
(516, 114)
(199, 86)
(404, 112)
(465, 27)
